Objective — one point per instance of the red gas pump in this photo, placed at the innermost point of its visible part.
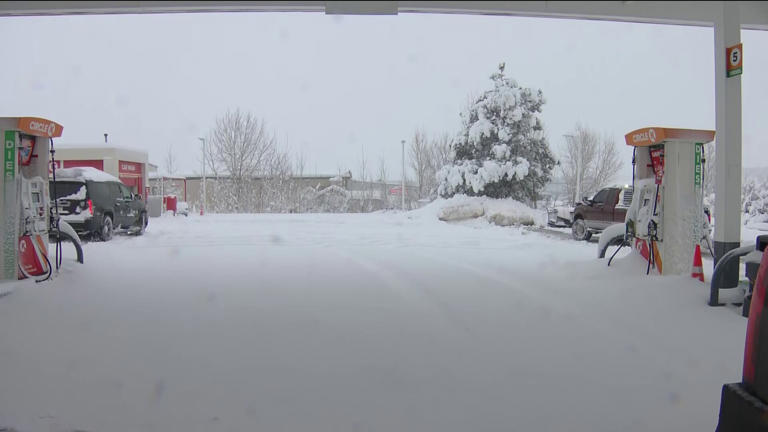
(24, 197)
(33, 255)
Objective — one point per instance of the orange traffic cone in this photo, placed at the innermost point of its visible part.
(698, 267)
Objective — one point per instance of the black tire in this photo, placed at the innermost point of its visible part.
(143, 222)
(107, 229)
(580, 231)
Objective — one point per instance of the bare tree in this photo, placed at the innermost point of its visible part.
(419, 160)
(588, 162)
(170, 161)
(363, 164)
(709, 172)
(608, 163)
(277, 184)
(240, 144)
(239, 147)
(383, 174)
(299, 164)
(383, 170)
(439, 156)
(441, 151)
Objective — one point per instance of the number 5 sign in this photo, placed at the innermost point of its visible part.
(733, 58)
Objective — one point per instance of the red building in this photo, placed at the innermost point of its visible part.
(130, 166)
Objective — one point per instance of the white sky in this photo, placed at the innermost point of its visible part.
(331, 85)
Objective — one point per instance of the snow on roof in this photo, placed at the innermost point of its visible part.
(168, 177)
(84, 174)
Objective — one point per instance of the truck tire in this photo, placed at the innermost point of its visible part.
(106, 231)
(141, 226)
(580, 231)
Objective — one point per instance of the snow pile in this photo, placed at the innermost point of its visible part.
(506, 212)
(84, 174)
(332, 199)
(611, 233)
(462, 211)
(502, 212)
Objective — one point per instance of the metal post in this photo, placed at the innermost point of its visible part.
(204, 202)
(728, 148)
(402, 190)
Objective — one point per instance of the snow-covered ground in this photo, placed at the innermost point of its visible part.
(360, 322)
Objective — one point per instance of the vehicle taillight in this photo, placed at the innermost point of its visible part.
(90, 206)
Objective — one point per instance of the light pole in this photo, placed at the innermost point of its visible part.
(402, 186)
(203, 204)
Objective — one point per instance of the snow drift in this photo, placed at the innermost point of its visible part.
(502, 212)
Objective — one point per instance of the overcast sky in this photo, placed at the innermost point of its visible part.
(331, 86)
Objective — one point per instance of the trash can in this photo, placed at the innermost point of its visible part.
(170, 203)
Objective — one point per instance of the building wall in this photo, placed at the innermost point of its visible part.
(164, 186)
(110, 157)
(365, 196)
(195, 186)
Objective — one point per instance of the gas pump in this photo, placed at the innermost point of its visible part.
(664, 223)
(33, 247)
(24, 204)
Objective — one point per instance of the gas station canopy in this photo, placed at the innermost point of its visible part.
(41, 127)
(656, 135)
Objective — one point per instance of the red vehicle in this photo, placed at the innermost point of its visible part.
(608, 206)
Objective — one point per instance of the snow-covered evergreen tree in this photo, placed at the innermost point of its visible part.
(501, 151)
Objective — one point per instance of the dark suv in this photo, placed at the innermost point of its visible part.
(96, 204)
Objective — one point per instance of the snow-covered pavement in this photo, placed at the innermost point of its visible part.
(360, 322)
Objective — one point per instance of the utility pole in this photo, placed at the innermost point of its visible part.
(402, 190)
(203, 204)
